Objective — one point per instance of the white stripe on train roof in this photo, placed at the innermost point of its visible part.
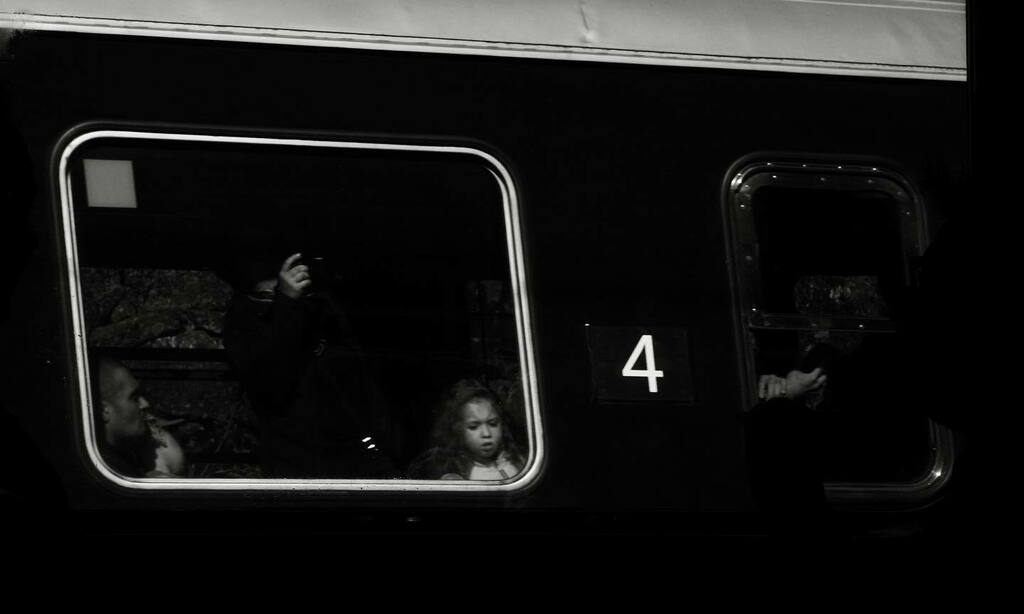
(924, 39)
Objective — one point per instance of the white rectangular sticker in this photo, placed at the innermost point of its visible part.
(110, 183)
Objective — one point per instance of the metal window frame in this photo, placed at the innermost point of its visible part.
(507, 187)
(815, 171)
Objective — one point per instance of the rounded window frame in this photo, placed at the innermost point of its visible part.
(492, 160)
(760, 169)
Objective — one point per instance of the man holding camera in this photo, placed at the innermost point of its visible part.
(290, 343)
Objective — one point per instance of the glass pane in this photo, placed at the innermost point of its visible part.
(282, 311)
(813, 243)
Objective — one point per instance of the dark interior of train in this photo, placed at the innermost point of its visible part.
(827, 254)
(414, 246)
(804, 232)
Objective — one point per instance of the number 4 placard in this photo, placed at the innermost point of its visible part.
(634, 363)
(645, 345)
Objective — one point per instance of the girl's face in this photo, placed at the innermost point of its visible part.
(481, 429)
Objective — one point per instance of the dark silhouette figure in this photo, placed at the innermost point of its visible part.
(321, 415)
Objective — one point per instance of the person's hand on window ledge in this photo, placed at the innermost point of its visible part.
(795, 385)
(770, 387)
(799, 383)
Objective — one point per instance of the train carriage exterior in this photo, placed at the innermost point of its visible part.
(615, 216)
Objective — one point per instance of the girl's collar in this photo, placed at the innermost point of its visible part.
(494, 463)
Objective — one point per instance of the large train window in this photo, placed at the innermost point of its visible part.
(823, 259)
(294, 312)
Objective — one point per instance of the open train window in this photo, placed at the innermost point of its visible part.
(255, 311)
(823, 256)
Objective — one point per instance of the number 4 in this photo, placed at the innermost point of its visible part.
(645, 345)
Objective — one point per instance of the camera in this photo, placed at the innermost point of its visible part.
(319, 272)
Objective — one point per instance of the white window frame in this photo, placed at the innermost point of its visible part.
(534, 465)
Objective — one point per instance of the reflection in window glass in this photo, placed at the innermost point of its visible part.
(269, 311)
(839, 295)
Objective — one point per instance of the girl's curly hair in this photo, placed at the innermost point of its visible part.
(448, 452)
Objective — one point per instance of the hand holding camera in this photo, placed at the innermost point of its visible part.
(294, 280)
(297, 279)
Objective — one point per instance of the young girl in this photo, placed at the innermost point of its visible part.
(471, 439)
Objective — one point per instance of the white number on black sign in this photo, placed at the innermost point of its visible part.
(645, 345)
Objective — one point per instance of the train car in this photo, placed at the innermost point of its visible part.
(622, 221)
